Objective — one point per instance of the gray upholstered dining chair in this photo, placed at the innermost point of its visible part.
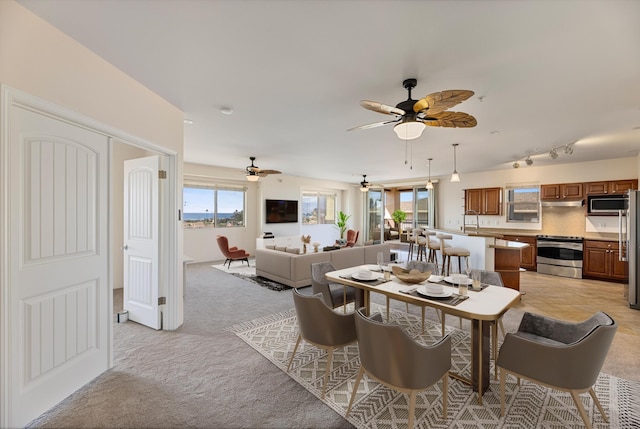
(321, 326)
(334, 295)
(566, 356)
(391, 357)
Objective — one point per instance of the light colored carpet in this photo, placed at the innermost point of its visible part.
(376, 406)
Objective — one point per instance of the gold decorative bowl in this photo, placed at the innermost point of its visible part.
(413, 276)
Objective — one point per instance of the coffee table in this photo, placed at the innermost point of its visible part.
(481, 308)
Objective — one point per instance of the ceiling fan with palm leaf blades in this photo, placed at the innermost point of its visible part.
(254, 173)
(412, 116)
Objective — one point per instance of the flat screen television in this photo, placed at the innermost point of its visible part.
(281, 211)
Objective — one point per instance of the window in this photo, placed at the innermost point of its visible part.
(213, 206)
(318, 208)
(523, 203)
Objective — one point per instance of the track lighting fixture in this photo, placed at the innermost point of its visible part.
(567, 149)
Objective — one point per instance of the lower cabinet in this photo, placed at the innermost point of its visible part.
(601, 261)
(528, 254)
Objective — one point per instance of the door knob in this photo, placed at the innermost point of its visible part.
(126, 247)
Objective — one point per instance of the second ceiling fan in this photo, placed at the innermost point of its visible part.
(412, 116)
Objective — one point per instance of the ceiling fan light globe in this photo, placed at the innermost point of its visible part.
(364, 189)
(409, 130)
(252, 177)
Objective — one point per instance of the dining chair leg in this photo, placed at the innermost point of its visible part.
(423, 319)
(445, 393)
(412, 408)
(583, 413)
(355, 390)
(326, 371)
(295, 348)
(597, 402)
(443, 316)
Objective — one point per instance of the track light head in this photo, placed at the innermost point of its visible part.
(516, 164)
(553, 154)
(528, 160)
(568, 149)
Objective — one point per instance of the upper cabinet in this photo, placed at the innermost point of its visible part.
(484, 201)
(611, 187)
(561, 191)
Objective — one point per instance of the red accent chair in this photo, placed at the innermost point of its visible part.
(352, 237)
(231, 253)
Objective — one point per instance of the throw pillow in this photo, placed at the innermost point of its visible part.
(293, 250)
(281, 248)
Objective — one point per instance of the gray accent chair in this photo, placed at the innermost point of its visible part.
(334, 295)
(391, 357)
(322, 327)
(566, 356)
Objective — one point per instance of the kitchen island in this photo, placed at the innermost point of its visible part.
(489, 252)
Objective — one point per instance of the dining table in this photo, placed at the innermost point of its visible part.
(482, 306)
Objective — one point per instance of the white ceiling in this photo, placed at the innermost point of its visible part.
(544, 73)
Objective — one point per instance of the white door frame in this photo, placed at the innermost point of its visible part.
(170, 256)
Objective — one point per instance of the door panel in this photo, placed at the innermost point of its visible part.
(141, 240)
(60, 304)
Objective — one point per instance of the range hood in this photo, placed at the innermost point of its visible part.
(563, 203)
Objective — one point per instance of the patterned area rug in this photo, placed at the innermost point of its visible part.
(259, 280)
(528, 405)
(248, 272)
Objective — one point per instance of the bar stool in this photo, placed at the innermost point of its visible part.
(434, 247)
(448, 252)
(419, 242)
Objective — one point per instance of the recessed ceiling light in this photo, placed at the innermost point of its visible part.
(226, 110)
(188, 121)
(494, 132)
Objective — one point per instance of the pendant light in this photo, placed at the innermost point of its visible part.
(429, 182)
(454, 176)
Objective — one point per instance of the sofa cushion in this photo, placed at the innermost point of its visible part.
(348, 257)
(281, 248)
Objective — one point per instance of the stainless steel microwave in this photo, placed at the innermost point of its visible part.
(607, 204)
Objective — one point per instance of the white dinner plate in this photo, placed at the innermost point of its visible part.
(368, 279)
(444, 294)
(449, 279)
(435, 279)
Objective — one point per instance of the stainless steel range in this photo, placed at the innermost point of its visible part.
(560, 256)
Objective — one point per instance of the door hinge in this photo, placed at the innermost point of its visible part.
(162, 174)
(162, 300)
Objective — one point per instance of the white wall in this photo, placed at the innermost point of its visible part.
(201, 245)
(451, 195)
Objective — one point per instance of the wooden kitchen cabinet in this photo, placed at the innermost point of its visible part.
(485, 201)
(561, 191)
(614, 187)
(601, 261)
(529, 254)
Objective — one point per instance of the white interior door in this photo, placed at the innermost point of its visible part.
(141, 241)
(59, 292)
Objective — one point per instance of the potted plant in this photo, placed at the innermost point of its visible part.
(342, 223)
(398, 217)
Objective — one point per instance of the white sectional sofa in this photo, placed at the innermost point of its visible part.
(294, 269)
